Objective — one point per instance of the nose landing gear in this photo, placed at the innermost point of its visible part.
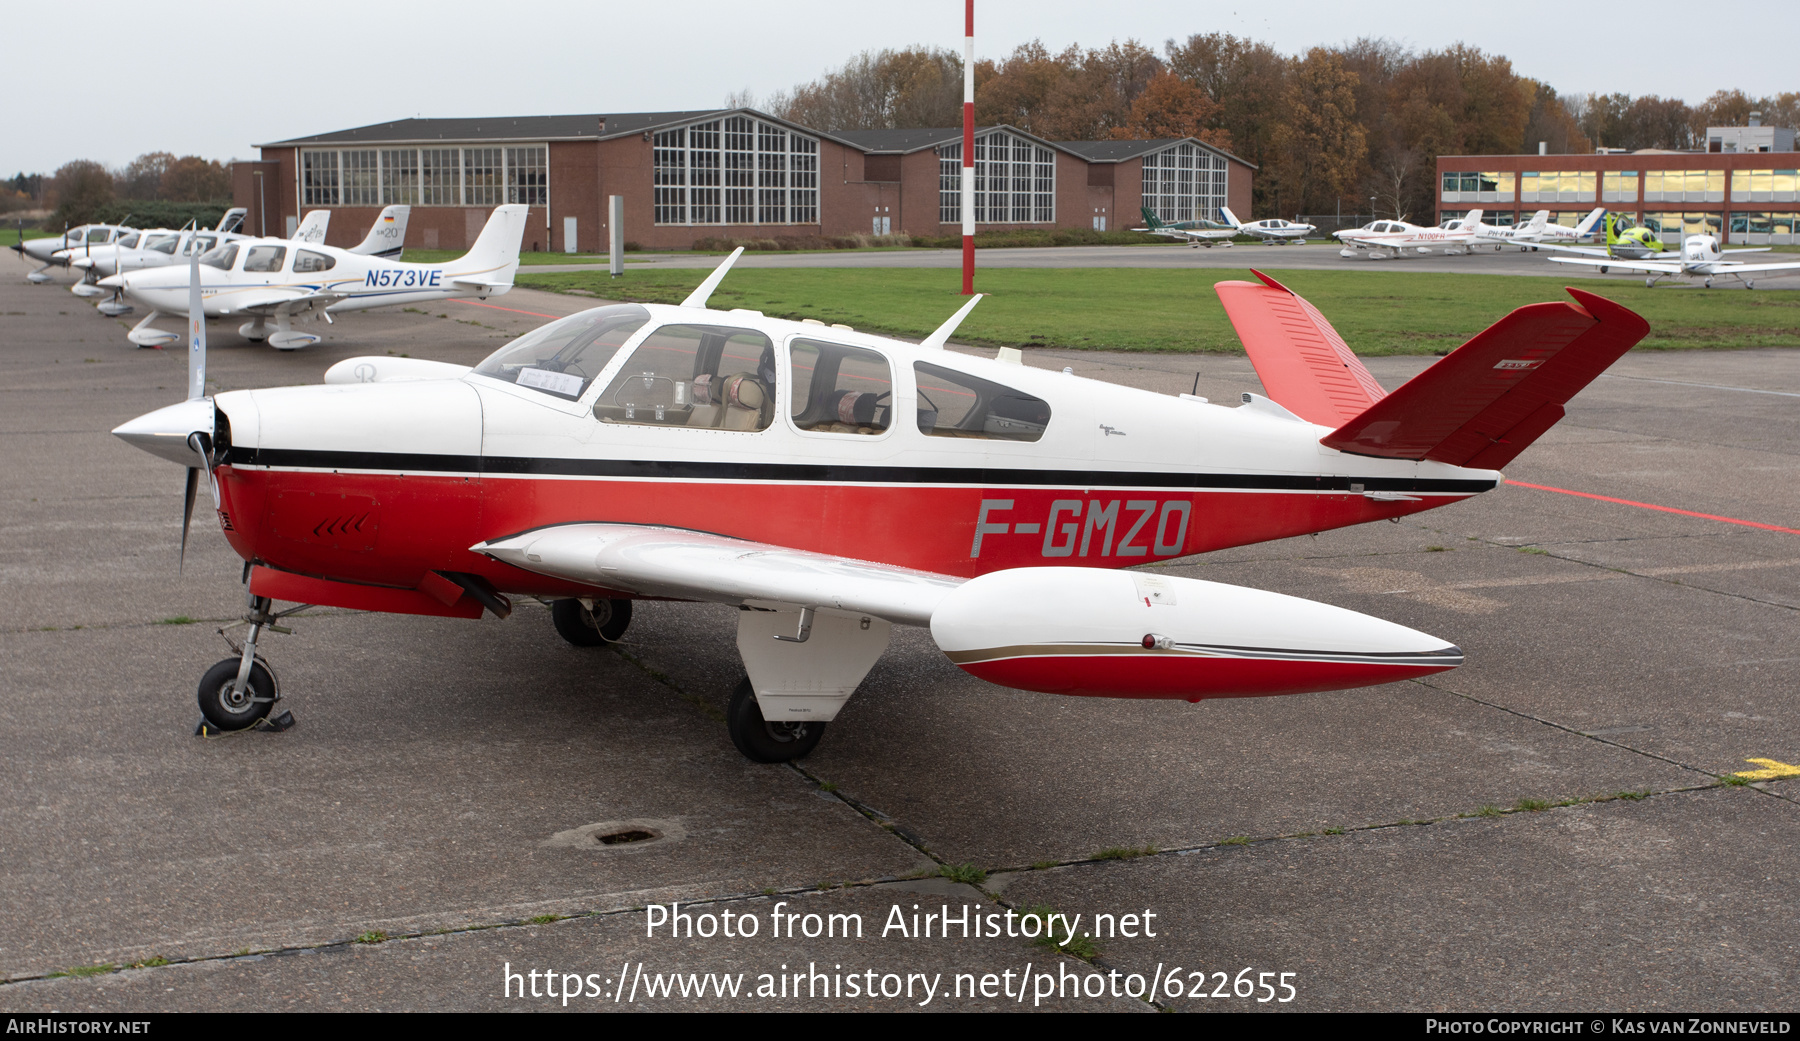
(239, 692)
(590, 626)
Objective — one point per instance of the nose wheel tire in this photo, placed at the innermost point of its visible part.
(228, 711)
(762, 741)
(606, 623)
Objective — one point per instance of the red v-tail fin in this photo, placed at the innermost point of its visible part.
(1304, 364)
(1493, 396)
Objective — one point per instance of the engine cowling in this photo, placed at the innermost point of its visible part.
(1134, 634)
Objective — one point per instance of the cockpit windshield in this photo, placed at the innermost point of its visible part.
(562, 358)
(222, 258)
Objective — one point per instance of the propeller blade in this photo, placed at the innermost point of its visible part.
(187, 511)
(196, 327)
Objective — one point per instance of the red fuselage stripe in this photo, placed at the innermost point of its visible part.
(1660, 509)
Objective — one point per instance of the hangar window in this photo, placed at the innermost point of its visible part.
(956, 404)
(440, 176)
(736, 170)
(1619, 186)
(400, 176)
(318, 178)
(527, 176)
(1765, 227)
(1764, 185)
(1558, 185)
(1185, 182)
(838, 389)
(562, 358)
(1015, 181)
(712, 377)
(360, 181)
(481, 176)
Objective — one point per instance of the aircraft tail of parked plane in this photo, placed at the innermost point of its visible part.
(1479, 407)
(494, 259)
(1230, 217)
(312, 227)
(387, 236)
(1586, 226)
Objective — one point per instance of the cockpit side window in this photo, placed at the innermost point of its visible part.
(265, 258)
(129, 242)
(707, 376)
(562, 358)
(162, 243)
(956, 404)
(838, 389)
(99, 234)
(222, 258)
(307, 262)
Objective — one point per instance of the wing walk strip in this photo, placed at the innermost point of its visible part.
(1448, 656)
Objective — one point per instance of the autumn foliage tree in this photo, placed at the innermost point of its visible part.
(1172, 107)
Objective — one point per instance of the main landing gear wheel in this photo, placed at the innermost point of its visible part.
(762, 741)
(227, 708)
(1603, 269)
(584, 628)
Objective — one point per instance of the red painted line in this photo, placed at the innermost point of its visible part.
(514, 310)
(1663, 509)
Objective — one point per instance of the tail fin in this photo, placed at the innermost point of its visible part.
(312, 227)
(1305, 366)
(1587, 223)
(1472, 219)
(494, 259)
(1150, 219)
(1612, 230)
(1538, 221)
(1230, 217)
(387, 236)
(232, 219)
(1495, 395)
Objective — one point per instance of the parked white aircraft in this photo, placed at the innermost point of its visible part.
(1272, 232)
(161, 248)
(46, 251)
(278, 279)
(1383, 239)
(1700, 258)
(1195, 233)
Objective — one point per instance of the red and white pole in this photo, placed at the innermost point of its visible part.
(968, 148)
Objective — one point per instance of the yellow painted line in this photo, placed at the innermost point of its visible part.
(1771, 770)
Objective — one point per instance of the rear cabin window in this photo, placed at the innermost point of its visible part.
(956, 404)
(562, 358)
(840, 390)
(265, 258)
(306, 262)
(707, 376)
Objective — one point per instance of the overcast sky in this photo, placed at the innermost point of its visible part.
(263, 71)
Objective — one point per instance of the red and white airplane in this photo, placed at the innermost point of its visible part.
(832, 484)
(1382, 239)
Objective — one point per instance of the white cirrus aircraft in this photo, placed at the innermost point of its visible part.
(832, 484)
(1536, 232)
(57, 252)
(163, 248)
(283, 281)
(1700, 258)
(1383, 239)
(1272, 232)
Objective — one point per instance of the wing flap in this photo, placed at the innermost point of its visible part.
(1493, 396)
(1303, 363)
(694, 565)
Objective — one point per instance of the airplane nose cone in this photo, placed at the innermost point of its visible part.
(164, 433)
(112, 282)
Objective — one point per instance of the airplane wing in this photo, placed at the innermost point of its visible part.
(1670, 267)
(1492, 397)
(1585, 251)
(274, 303)
(1733, 267)
(1304, 364)
(695, 565)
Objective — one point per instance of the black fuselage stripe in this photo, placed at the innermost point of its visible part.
(830, 473)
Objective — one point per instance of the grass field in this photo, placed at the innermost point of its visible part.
(1378, 312)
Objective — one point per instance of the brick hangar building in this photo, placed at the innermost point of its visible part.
(734, 173)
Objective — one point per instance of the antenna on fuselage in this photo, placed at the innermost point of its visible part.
(704, 291)
(936, 341)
